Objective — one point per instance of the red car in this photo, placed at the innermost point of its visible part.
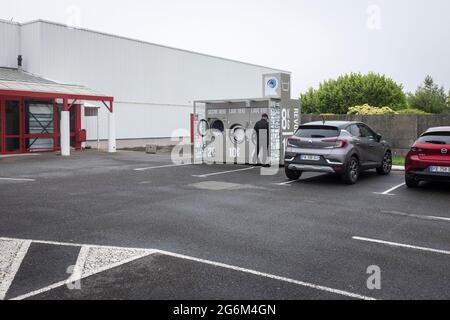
(429, 158)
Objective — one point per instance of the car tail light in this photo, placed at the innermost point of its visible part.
(419, 151)
(416, 149)
(338, 143)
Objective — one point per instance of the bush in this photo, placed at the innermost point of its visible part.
(369, 110)
(335, 96)
(411, 111)
(429, 97)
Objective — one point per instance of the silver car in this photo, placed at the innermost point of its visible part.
(341, 147)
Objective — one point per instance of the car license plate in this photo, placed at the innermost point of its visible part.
(310, 158)
(440, 169)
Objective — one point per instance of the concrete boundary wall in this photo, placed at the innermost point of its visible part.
(400, 130)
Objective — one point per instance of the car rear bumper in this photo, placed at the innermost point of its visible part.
(428, 176)
(328, 163)
(311, 168)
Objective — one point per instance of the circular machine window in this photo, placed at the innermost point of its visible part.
(217, 125)
(238, 133)
(203, 127)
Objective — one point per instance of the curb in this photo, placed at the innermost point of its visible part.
(398, 168)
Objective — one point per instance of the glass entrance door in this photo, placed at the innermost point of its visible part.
(11, 130)
(12, 126)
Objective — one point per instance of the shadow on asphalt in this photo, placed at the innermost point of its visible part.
(433, 188)
(334, 179)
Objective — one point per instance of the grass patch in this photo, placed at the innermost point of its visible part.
(398, 161)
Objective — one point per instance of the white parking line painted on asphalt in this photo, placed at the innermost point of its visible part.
(402, 245)
(147, 252)
(12, 253)
(79, 265)
(69, 244)
(17, 179)
(93, 260)
(268, 275)
(287, 182)
(418, 216)
(388, 192)
(164, 166)
(222, 172)
(83, 276)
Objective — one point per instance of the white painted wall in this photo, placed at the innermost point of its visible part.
(154, 86)
(31, 48)
(9, 44)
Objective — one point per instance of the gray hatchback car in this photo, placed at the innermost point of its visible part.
(340, 147)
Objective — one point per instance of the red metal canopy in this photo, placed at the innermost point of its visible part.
(53, 91)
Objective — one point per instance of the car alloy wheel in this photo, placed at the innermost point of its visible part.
(354, 170)
(387, 162)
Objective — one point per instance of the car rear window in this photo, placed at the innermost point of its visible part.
(317, 132)
(435, 138)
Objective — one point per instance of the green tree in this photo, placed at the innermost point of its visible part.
(429, 97)
(448, 102)
(337, 96)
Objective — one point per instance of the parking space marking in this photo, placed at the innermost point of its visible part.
(79, 265)
(17, 179)
(82, 276)
(147, 252)
(268, 275)
(287, 182)
(163, 166)
(222, 172)
(402, 245)
(418, 216)
(69, 244)
(93, 260)
(388, 192)
(12, 254)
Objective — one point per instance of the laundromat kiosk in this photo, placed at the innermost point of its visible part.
(224, 129)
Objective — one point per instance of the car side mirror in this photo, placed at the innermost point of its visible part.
(379, 137)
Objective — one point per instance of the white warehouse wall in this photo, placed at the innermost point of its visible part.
(153, 86)
(9, 43)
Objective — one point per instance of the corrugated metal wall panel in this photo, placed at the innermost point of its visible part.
(140, 121)
(138, 72)
(31, 48)
(9, 44)
(154, 86)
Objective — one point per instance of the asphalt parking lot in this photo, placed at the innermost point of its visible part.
(135, 226)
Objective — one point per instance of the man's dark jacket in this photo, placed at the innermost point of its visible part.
(262, 132)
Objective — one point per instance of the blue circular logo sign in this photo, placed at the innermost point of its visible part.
(272, 83)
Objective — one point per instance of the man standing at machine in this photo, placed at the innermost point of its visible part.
(262, 139)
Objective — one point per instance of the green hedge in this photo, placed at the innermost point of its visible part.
(369, 110)
(355, 89)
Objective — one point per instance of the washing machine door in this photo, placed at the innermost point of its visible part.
(218, 126)
(236, 147)
(214, 146)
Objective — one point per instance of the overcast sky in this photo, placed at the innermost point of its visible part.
(315, 39)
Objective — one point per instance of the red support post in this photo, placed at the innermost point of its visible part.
(55, 127)
(22, 147)
(2, 126)
(192, 127)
